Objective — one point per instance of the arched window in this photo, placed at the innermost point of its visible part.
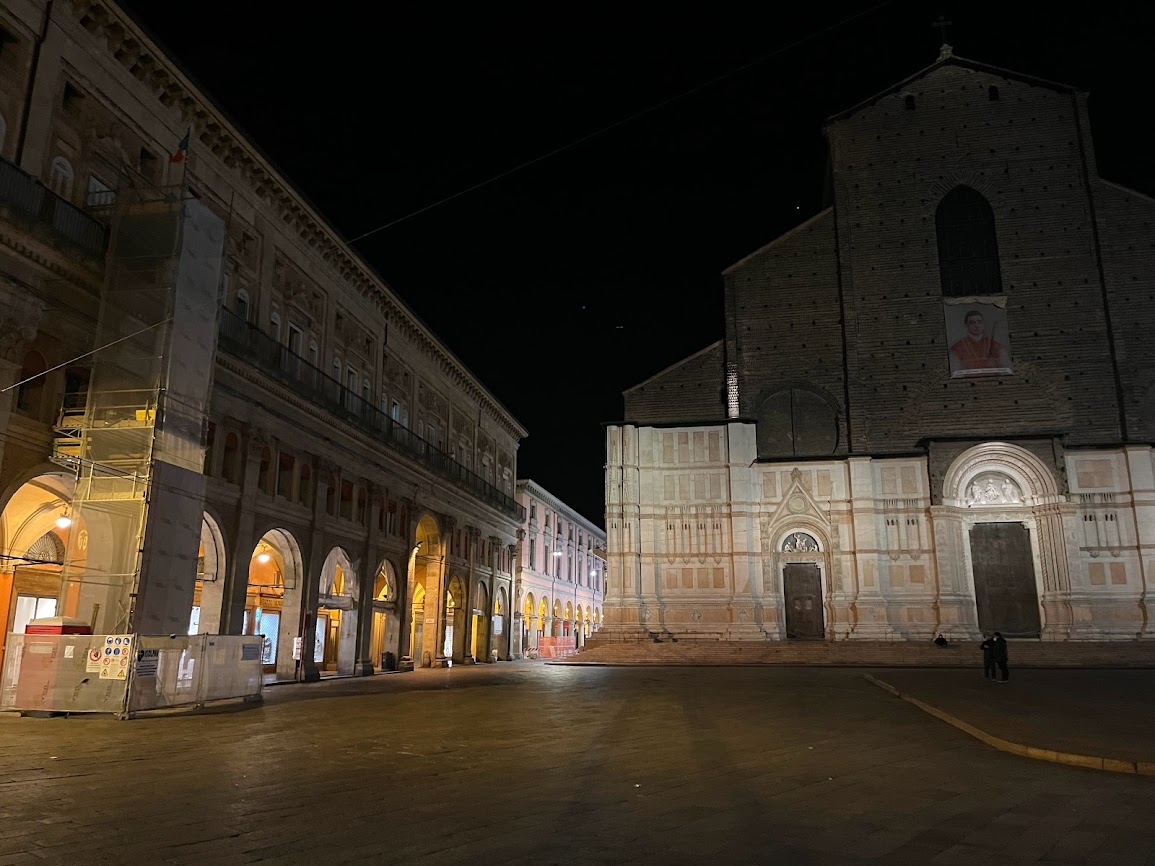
(275, 326)
(60, 177)
(796, 421)
(231, 464)
(968, 252)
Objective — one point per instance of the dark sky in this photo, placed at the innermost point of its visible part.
(567, 282)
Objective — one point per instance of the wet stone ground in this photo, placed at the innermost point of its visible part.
(530, 763)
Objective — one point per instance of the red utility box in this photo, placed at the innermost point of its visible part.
(57, 625)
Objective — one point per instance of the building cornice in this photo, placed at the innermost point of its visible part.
(128, 45)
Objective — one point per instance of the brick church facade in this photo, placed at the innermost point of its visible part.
(933, 408)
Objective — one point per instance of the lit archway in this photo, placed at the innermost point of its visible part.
(425, 563)
(480, 643)
(455, 621)
(544, 629)
(208, 597)
(38, 532)
(502, 631)
(558, 610)
(275, 572)
(567, 621)
(335, 637)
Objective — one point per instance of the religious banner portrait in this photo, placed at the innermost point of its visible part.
(977, 337)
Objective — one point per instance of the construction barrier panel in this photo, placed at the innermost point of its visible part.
(124, 674)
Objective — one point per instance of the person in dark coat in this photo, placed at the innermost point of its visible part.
(1001, 657)
(988, 648)
(940, 641)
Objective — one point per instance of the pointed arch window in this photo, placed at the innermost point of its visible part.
(968, 251)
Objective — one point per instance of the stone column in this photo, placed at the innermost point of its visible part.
(472, 540)
(236, 576)
(509, 626)
(955, 611)
(436, 589)
(363, 666)
(405, 584)
(1058, 548)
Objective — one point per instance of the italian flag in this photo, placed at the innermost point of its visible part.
(182, 148)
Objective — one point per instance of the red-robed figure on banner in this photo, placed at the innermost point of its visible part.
(977, 350)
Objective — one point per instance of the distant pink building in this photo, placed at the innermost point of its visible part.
(560, 572)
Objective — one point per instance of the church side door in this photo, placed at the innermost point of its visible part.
(802, 590)
(1006, 595)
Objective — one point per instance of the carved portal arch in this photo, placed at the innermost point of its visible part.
(992, 466)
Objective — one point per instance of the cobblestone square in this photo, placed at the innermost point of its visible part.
(532, 763)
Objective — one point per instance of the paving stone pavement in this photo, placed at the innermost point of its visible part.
(1105, 713)
(529, 763)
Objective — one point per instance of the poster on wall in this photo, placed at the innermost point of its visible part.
(977, 336)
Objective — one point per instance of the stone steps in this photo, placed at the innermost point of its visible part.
(856, 653)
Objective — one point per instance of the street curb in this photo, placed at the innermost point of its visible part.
(1093, 762)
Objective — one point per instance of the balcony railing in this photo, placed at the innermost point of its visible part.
(249, 343)
(24, 196)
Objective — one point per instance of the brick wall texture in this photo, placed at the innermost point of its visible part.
(850, 304)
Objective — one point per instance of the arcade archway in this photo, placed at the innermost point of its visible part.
(335, 640)
(272, 596)
(36, 529)
(208, 597)
(426, 561)
(480, 647)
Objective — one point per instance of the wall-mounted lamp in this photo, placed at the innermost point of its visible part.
(63, 521)
(262, 558)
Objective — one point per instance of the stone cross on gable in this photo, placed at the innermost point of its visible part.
(942, 24)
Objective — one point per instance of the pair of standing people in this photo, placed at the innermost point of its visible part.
(994, 649)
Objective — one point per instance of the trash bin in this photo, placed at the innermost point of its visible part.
(388, 662)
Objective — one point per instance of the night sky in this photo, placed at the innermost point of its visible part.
(567, 282)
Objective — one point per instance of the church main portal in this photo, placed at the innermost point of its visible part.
(1005, 591)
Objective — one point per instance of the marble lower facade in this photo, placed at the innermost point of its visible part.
(708, 542)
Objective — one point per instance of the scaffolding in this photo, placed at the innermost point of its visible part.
(139, 433)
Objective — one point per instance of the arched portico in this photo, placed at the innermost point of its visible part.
(425, 580)
(335, 640)
(455, 621)
(275, 580)
(386, 617)
(480, 647)
(528, 623)
(37, 529)
(209, 596)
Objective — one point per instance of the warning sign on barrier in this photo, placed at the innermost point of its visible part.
(115, 657)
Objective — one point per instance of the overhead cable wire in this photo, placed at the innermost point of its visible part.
(623, 121)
